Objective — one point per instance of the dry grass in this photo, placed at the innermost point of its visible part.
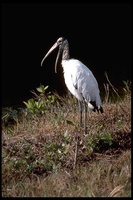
(38, 153)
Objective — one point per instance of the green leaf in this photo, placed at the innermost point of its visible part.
(25, 103)
(42, 89)
(70, 122)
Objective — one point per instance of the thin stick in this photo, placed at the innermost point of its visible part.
(115, 90)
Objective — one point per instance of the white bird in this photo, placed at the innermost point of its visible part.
(79, 79)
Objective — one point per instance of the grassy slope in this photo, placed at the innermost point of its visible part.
(38, 153)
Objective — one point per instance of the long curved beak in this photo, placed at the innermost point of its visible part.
(49, 52)
(57, 58)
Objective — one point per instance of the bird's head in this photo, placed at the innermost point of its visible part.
(59, 43)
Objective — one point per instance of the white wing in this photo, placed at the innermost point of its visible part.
(81, 82)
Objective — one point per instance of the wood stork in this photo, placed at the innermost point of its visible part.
(79, 79)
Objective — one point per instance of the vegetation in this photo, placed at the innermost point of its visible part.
(46, 154)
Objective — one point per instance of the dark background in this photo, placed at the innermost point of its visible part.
(99, 35)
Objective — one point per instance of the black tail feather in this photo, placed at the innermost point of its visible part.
(95, 107)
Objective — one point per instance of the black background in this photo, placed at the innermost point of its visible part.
(99, 35)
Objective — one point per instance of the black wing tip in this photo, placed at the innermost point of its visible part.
(96, 107)
(101, 109)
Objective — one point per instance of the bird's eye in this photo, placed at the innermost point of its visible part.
(60, 40)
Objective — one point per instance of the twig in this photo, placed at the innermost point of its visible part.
(29, 141)
(115, 90)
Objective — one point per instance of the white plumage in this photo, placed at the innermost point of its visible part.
(79, 79)
(81, 82)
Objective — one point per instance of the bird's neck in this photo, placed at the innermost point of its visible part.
(65, 53)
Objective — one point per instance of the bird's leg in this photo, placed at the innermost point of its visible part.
(80, 110)
(85, 117)
(77, 138)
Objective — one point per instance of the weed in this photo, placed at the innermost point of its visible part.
(40, 143)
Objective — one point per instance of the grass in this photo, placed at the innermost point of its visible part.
(39, 150)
